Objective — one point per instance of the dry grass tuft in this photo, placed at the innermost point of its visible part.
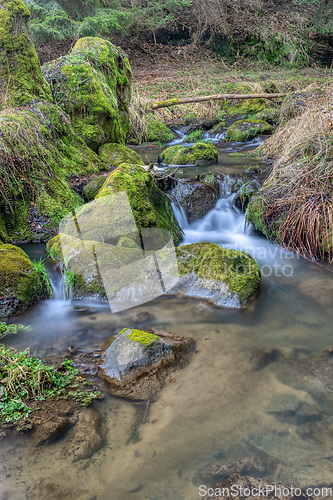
(298, 192)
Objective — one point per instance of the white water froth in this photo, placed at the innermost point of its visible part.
(226, 225)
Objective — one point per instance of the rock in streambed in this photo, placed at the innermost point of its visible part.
(137, 363)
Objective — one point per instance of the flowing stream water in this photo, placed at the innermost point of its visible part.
(215, 410)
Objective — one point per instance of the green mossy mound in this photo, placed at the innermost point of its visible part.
(92, 84)
(211, 263)
(194, 136)
(242, 130)
(151, 208)
(39, 151)
(196, 154)
(254, 214)
(22, 282)
(157, 131)
(21, 78)
(77, 261)
(116, 154)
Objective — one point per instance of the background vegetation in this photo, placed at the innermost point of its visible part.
(289, 32)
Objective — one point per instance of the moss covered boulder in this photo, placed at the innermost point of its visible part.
(116, 154)
(21, 78)
(225, 277)
(81, 270)
(137, 363)
(157, 131)
(199, 153)
(93, 85)
(242, 130)
(151, 208)
(40, 150)
(22, 282)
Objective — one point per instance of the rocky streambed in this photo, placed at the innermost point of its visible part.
(253, 397)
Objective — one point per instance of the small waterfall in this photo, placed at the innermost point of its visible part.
(178, 211)
(58, 287)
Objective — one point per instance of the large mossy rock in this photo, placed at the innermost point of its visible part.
(151, 208)
(137, 362)
(199, 153)
(21, 281)
(39, 151)
(21, 78)
(116, 154)
(83, 260)
(242, 130)
(225, 277)
(93, 85)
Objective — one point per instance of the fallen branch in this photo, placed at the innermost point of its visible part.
(186, 100)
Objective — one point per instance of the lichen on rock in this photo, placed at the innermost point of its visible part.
(21, 78)
(93, 85)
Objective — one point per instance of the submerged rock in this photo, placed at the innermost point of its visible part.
(137, 363)
(21, 78)
(237, 486)
(22, 282)
(86, 437)
(217, 472)
(197, 197)
(116, 154)
(247, 129)
(199, 153)
(93, 84)
(225, 277)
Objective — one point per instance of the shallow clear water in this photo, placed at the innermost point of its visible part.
(212, 411)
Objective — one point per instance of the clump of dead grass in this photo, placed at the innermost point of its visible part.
(298, 193)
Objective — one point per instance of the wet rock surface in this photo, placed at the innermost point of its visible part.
(137, 363)
(197, 197)
(237, 484)
(86, 437)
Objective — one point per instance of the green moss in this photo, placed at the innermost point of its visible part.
(157, 131)
(151, 208)
(21, 79)
(247, 129)
(20, 279)
(194, 136)
(254, 214)
(116, 154)
(40, 150)
(180, 155)
(92, 84)
(78, 264)
(209, 261)
(143, 338)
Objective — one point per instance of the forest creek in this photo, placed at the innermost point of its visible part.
(166, 283)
